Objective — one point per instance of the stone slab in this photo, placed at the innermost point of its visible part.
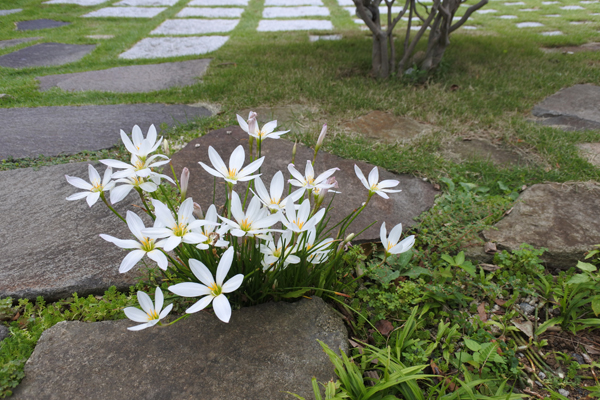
(569, 8)
(44, 54)
(37, 24)
(590, 152)
(12, 11)
(195, 26)
(551, 33)
(174, 47)
(263, 352)
(592, 46)
(316, 38)
(211, 3)
(508, 17)
(529, 25)
(346, 3)
(13, 42)
(131, 79)
(416, 197)
(4, 332)
(50, 246)
(293, 25)
(146, 3)
(479, 149)
(211, 12)
(387, 127)
(85, 3)
(575, 107)
(100, 36)
(29, 132)
(271, 3)
(294, 12)
(126, 12)
(559, 217)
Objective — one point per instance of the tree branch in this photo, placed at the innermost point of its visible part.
(468, 13)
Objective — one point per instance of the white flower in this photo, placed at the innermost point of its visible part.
(139, 146)
(253, 222)
(381, 188)
(93, 189)
(141, 167)
(208, 230)
(260, 134)
(319, 252)
(308, 181)
(235, 172)
(178, 231)
(391, 245)
(213, 290)
(301, 221)
(273, 252)
(144, 246)
(149, 185)
(152, 314)
(273, 199)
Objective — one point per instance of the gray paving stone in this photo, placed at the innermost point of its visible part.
(126, 12)
(211, 12)
(416, 197)
(387, 127)
(574, 107)
(294, 12)
(479, 149)
(44, 54)
(85, 3)
(13, 42)
(529, 25)
(29, 132)
(274, 25)
(269, 3)
(4, 332)
(316, 38)
(131, 79)
(559, 217)
(263, 352)
(12, 11)
(54, 248)
(174, 46)
(568, 8)
(100, 36)
(551, 33)
(211, 3)
(590, 152)
(37, 24)
(146, 3)
(195, 26)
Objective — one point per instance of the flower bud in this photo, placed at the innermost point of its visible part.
(349, 238)
(185, 179)
(321, 137)
(294, 149)
(198, 211)
(252, 124)
(165, 147)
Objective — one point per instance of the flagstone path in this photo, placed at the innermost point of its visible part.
(38, 24)
(45, 54)
(571, 108)
(14, 42)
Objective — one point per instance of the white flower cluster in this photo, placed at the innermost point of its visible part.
(285, 228)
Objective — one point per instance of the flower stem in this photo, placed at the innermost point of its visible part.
(110, 207)
(145, 204)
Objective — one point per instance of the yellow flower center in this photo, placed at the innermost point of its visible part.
(275, 201)
(215, 289)
(299, 224)
(310, 180)
(232, 173)
(180, 229)
(246, 225)
(277, 252)
(97, 187)
(147, 244)
(152, 315)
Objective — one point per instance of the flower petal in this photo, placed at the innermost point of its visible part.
(224, 265)
(135, 314)
(78, 182)
(130, 260)
(202, 272)
(159, 299)
(189, 289)
(234, 283)
(222, 308)
(199, 305)
(160, 259)
(145, 301)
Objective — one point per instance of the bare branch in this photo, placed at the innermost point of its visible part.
(468, 13)
(362, 13)
(400, 15)
(416, 39)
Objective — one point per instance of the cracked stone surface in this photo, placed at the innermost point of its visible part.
(195, 26)
(43, 54)
(263, 352)
(571, 108)
(211, 12)
(293, 25)
(292, 12)
(37, 24)
(174, 46)
(126, 12)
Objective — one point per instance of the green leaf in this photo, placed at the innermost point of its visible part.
(586, 266)
(578, 278)
(460, 258)
(449, 183)
(502, 186)
(294, 294)
(596, 305)
(448, 259)
(467, 186)
(415, 272)
(469, 268)
(472, 345)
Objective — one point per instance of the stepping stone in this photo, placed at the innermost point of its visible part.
(29, 132)
(293, 25)
(13, 42)
(528, 9)
(571, 108)
(37, 24)
(572, 8)
(262, 353)
(529, 25)
(517, 3)
(478, 149)
(194, 26)
(344, 3)
(469, 27)
(4, 332)
(387, 127)
(551, 33)
(316, 38)
(547, 3)
(44, 54)
(215, 12)
(146, 3)
(416, 197)
(84, 3)
(210, 3)
(126, 12)
(554, 216)
(590, 152)
(174, 47)
(132, 79)
(56, 249)
(292, 12)
(508, 17)
(270, 3)
(13, 11)
(594, 46)
(553, 16)
(100, 36)
(487, 11)
(579, 22)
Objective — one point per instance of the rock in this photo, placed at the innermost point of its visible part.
(135, 78)
(50, 246)
(387, 127)
(572, 108)
(13, 42)
(100, 36)
(316, 38)
(44, 54)
(542, 375)
(29, 132)
(195, 26)
(478, 149)
(558, 217)
(590, 152)
(4, 332)
(13, 11)
(578, 358)
(262, 353)
(126, 12)
(37, 24)
(416, 197)
(593, 46)
(564, 392)
(158, 47)
(277, 25)
(527, 309)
